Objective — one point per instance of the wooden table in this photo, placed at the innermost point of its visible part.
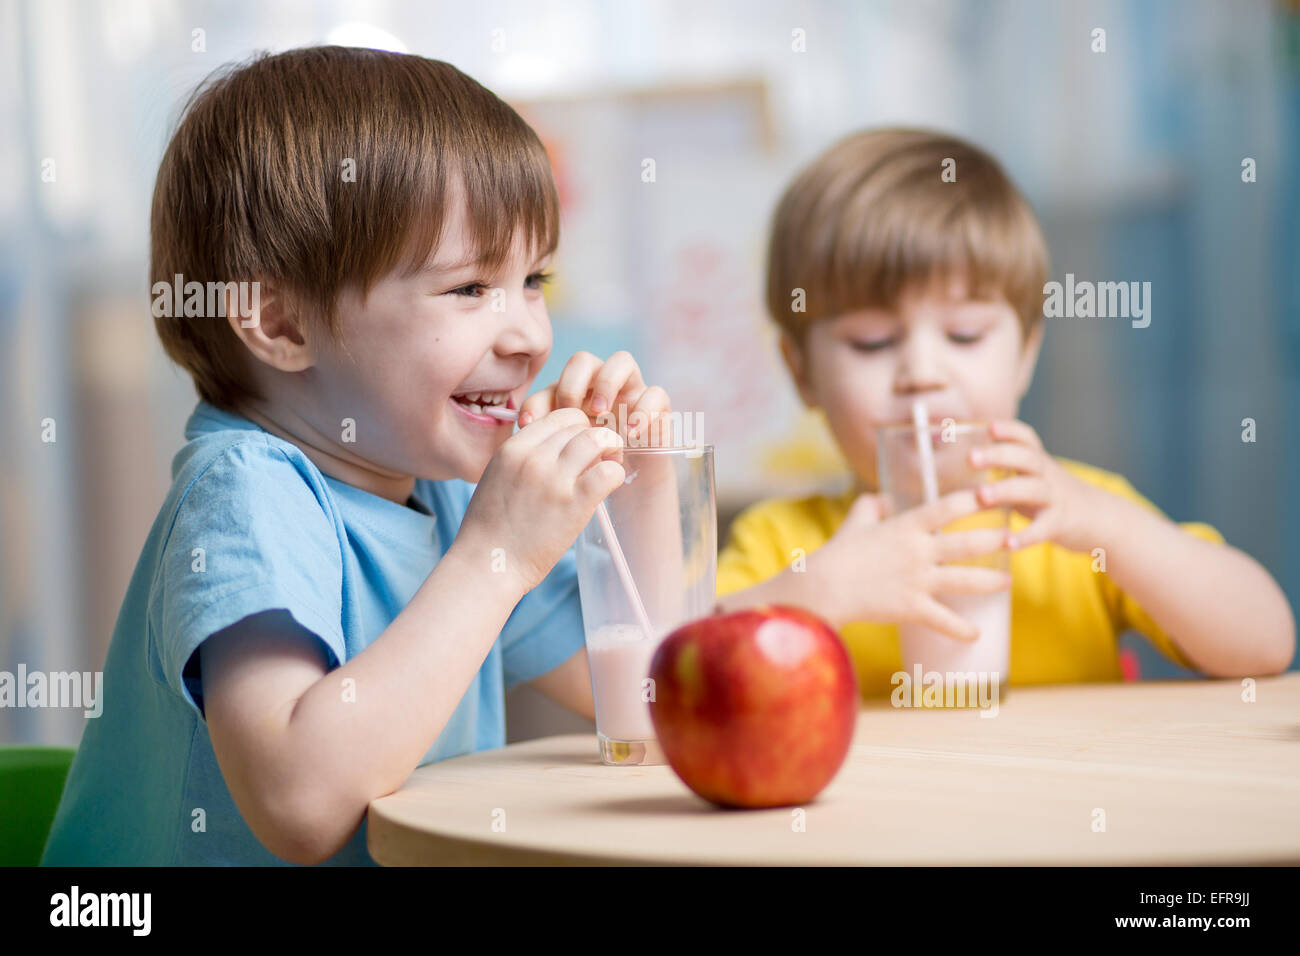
(1185, 772)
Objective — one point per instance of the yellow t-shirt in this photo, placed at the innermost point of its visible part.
(1065, 618)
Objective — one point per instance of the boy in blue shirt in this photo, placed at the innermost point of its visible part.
(355, 562)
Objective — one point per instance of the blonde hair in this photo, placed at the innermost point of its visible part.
(252, 187)
(873, 216)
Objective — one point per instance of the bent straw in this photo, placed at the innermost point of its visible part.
(607, 528)
(921, 419)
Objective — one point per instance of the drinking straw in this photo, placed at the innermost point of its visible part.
(505, 414)
(921, 419)
(624, 572)
(607, 528)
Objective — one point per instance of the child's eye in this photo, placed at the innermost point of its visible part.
(965, 338)
(473, 290)
(872, 346)
(537, 280)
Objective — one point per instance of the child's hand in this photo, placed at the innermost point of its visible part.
(538, 492)
(599, 388)
(1062, 508)
(891, 570)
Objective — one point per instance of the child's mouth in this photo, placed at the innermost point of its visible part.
(473, 403)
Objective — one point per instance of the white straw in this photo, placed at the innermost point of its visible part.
(624, 572)
(607, 527)
(921, 419)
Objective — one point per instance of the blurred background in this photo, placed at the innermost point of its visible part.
(1132, 157)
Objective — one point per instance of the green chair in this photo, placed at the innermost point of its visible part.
(31, 782)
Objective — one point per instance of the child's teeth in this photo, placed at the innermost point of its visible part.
(476, 401)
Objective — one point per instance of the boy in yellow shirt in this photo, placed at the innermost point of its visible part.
(890, 282)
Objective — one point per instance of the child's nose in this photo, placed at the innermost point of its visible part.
(523, 331)
(919, 368)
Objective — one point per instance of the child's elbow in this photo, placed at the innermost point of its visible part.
(1286, 643)
(297, 848)
(1279, 649)
(304, 832)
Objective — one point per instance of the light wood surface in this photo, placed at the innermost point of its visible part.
(1186, 772)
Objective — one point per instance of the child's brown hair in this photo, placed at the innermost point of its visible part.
(875, 215)
(327, 167)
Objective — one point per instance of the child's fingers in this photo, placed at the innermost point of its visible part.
(1036, 532)
(650, 398)
(954, 505)
(1008, 455)
(653, 405)
(618, 374)
(1028, 491)
(1012, 430)
(588, 447)
(964, 580)
(545, 427)
(537, 405)
(575, 381)
(939, 617)
(653, 400)
(599, 481)
(867, 508)
(548, 452)
(964, 545)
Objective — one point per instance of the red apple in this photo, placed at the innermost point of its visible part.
(754, 708)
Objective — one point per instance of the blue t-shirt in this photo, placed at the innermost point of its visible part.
(251, 525)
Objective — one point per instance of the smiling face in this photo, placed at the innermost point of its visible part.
(965, 358)
(422, 353)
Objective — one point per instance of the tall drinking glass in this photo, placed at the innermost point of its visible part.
(899, 470)
(664, 520)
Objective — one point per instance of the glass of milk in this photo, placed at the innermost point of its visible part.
(664, 519)
(963, 666)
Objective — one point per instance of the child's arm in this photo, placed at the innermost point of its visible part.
(1222, 608)
(891, 570)
(304, 752)
(569, 685)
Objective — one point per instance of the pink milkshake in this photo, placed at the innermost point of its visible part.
(989, 654)
(620, 656)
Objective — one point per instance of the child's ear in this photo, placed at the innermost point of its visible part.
(798, 367)
(1028, 360)
(267, 322)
